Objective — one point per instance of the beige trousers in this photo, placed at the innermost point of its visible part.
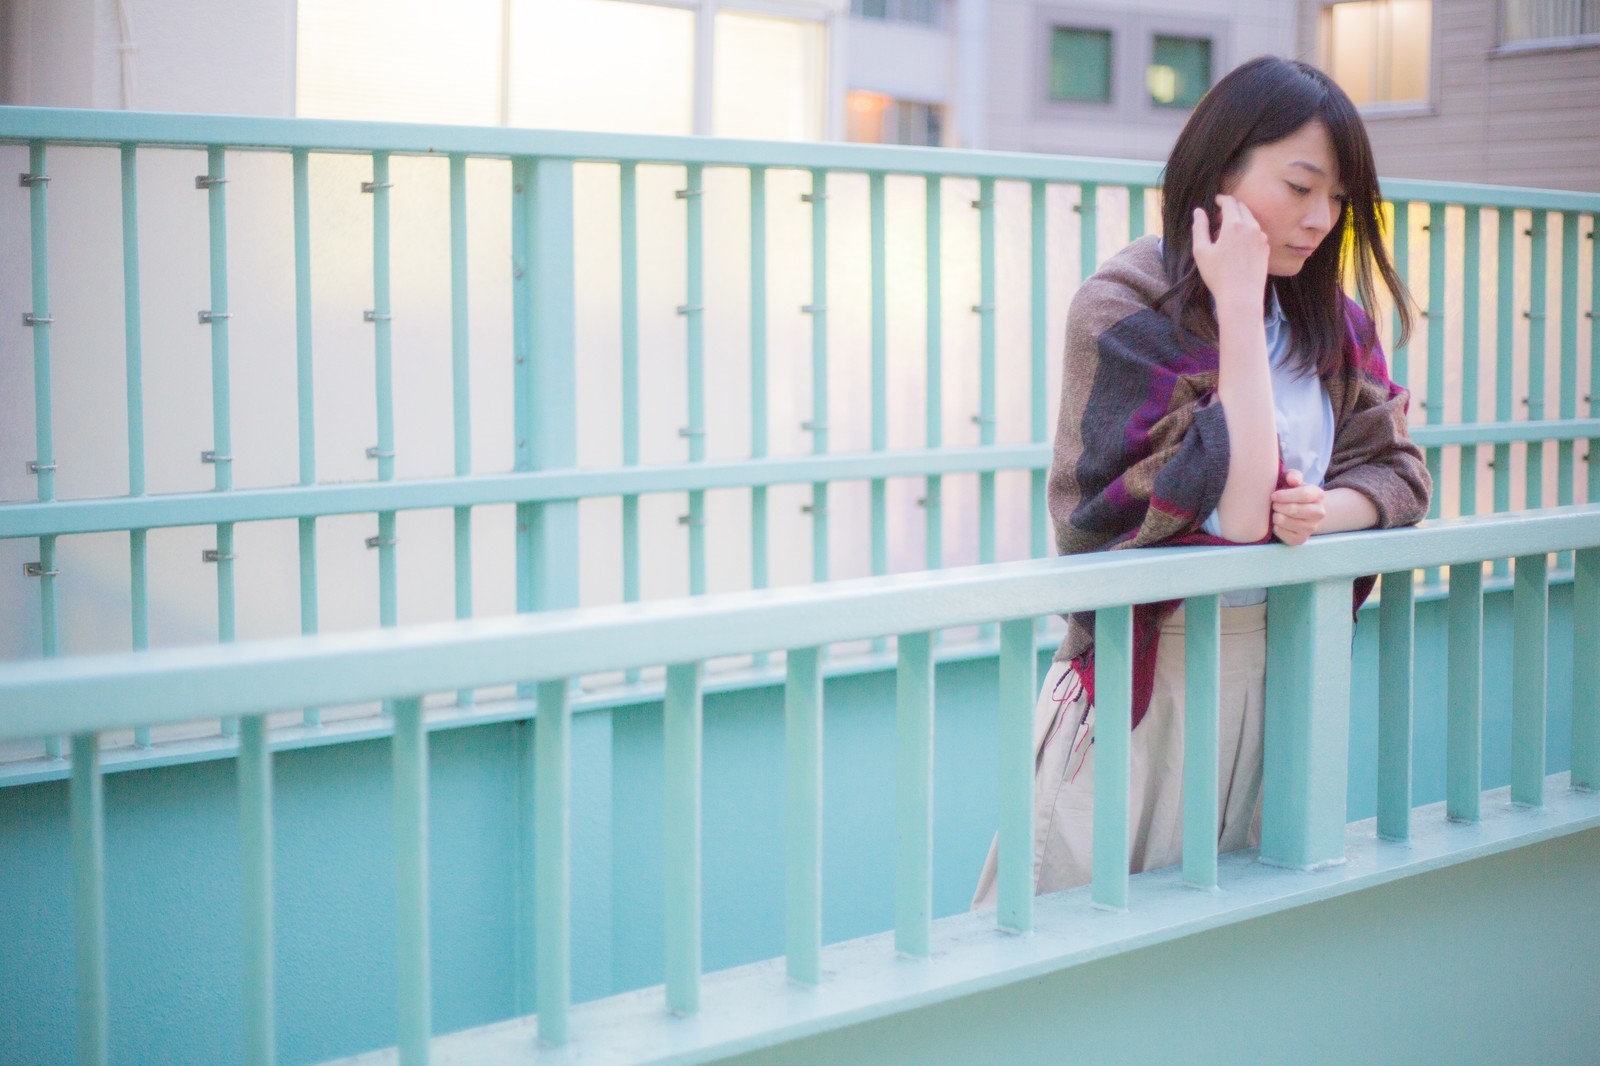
(1063, 785)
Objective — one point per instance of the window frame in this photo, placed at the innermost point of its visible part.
(1381, 110)
(1535, 45)
(1113, 69)
(1133, 35)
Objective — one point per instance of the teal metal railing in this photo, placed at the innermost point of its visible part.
(543, 480)
(1308, 677)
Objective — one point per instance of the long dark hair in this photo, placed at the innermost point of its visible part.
(1262, 101)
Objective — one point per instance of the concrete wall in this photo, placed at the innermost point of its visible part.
(1502, 117)
(1488, 962)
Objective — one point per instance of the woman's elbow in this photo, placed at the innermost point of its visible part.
(1245, 530)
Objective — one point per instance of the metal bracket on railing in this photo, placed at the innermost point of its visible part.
(373, 316)
(983, 203)
(38, 570)
(212, 555)
(981, 420)
(814, 427)
(374, 186)
(813, 309)
(28, 180)
(691, 431)
(376, 452)
(813, 510)
(687, 309)
(381, 542)
(205, 181)
(208, 317)
(979, 309)
(213, 457)
(686, 520)
(684, 194)
(813, 197)
(36, 467)
(1533, 314)
(32, 320)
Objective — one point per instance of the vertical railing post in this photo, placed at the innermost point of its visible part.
(255, 839)
(415, 1007)
(1533, 402)
(214, 182)
(1471, 292)
(628, 311)
(758, 376)
(880, 378)
(1307, 741)
(553, 859)
(913, 790)
(1464, 694)
(460, 388)
(305, 395)
(1203, 666)
(382, 317)
(682, 735)
(87, 801)
(803, 815)
(1113, 724)
(1529, 606)
(1018, 693)
(1038, 380)
(818, 310)
(133, 351)
(933, 345)
(985, 418)
(43, 465)
(1396, 685)
(1586, 669)
(693, 312)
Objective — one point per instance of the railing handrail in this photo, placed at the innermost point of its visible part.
(180, 684)
(115, 128)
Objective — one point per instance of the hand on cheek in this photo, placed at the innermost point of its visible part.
(1297, 510)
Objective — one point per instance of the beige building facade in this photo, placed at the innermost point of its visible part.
(1505, 92)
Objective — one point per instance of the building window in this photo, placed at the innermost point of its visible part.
(925, 12)
(1548, 20)
(1380, 51)
(1080, 65)
(873, 118)
(1179, 72)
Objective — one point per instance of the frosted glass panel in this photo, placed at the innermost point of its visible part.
(1411, 31)
(767, 78)
(399, 60)
(602, 65)
(1353, 40)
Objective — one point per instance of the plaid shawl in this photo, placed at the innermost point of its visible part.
(1141, 450)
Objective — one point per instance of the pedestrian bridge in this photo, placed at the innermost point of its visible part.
(358, 750)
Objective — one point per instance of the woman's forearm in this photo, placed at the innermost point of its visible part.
(1347, 510)
(1244, 387)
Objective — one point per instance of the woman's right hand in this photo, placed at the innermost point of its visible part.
(1233, 264)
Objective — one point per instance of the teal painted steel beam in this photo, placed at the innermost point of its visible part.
(913, 795)
(305, 397)
(214, 183)
(1464, 694)
(413, 969)
(1019, 658)
(383, 363)
(1538, 306)
(1088, 235)
(1586, 670)
(1505, 334)
(1307, 736)
(255, 847)
(628, 235)
(878, 269)
(553, 859)
(693, 311)
(758, 372)
(802, 815)
(181, 684)
(1436, 314)
(133, 355)
(1038, 349)
(44, 462)
(1567, 396)
(1113, 672)
(1396, 683)
(1399, 361)
(86, 796)
(94, 126)
(1592, 456)
(1529, 639)
(818, 311)
(1202, 677)
(1136, 222)
(460, 389)
(682, 729)
(933, 389)
(528, 486)
(1471, 292)
(985, 310)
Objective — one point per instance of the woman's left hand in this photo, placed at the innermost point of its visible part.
(1298, 510)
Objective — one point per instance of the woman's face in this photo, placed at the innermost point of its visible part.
(1292, 187)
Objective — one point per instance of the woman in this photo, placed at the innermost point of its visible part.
(1219, 388)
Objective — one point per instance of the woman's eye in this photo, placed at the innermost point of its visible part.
(1299, 190)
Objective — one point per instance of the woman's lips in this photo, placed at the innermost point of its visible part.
(1300, 251)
